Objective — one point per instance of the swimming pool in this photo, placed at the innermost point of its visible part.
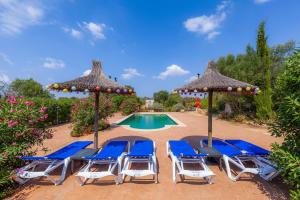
(148, 121)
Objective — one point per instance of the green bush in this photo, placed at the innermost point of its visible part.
(22, 126)
(289, 165)
(116, 102)
(130, 105)
(59, 110)
(83, 115)
(287, 124)
(157, 107)
(189, 103)
(177, 107)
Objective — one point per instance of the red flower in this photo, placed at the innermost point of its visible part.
(12, 123)
(12, 100)
(5, 154)
(12, 111)
(29, 103)
(43, 109)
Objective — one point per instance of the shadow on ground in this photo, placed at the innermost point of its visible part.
(274, 189)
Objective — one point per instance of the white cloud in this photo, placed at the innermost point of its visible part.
(5, 58)
(4, 78)
(261, 1)
(97, 30)
(53, 63)
(16, 15)
(73, 32)
(86, 72)
(208, 25)
(213, 35)
(130, 73)
(192, 78)
(172, 70)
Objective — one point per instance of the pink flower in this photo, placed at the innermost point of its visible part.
(43, 109)
(21, 97)
(14, 144)
(12, 100)
(12, 111)
(29, 103)
(43, 118)
(12, 123)
(5, 154)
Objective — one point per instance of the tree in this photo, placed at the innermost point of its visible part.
(161, 96)
(287, 124)
(264, 99)
(279, 54)
(29, 88)
(172, 100)
(130, 105)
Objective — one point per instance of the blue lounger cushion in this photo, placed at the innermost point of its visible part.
(248, 147)
(142, 148)
(62, 153)
(111, 151)
(181, 148)
(224, 148)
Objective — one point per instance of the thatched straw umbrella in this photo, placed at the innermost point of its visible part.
(95, 82)
(213, 81)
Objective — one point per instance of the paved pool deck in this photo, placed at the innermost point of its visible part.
(248, 187)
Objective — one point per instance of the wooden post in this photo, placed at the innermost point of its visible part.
(97, 94)
(210, 94)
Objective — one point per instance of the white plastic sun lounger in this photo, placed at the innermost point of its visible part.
(232, 155)
(112, 155)
(61, 157)
(142, 151)
(267, 169)
(182, 154)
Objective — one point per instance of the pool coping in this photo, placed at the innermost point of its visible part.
(178, 122)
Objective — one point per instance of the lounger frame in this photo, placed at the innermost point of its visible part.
(86, 172)
(263, 166)
(28, 172)
(151, 160)
(178, 167)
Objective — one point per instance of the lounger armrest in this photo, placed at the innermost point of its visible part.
(193, 156)
(29, 158)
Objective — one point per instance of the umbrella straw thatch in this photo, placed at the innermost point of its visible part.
(95, 82)
(213, 81)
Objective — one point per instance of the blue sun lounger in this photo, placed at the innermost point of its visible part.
(181, 154)
(239, 157)
(232, 155)
(51, 161)
(267, 169)
(142, 151)
(248, 147)
(111, 155)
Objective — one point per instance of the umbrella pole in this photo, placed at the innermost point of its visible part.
(97, 94)
(210, 94)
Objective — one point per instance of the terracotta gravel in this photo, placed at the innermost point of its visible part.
(249, 187)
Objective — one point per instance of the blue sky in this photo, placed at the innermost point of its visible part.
(151, 45)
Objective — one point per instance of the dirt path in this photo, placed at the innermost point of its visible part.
(196, 127)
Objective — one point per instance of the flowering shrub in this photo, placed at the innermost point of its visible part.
(130, 105)
(83, 114)
(22, 127)
(59, 110)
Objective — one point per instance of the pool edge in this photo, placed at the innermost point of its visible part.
(178, 122)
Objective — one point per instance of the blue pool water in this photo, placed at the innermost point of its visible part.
(148, 121)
